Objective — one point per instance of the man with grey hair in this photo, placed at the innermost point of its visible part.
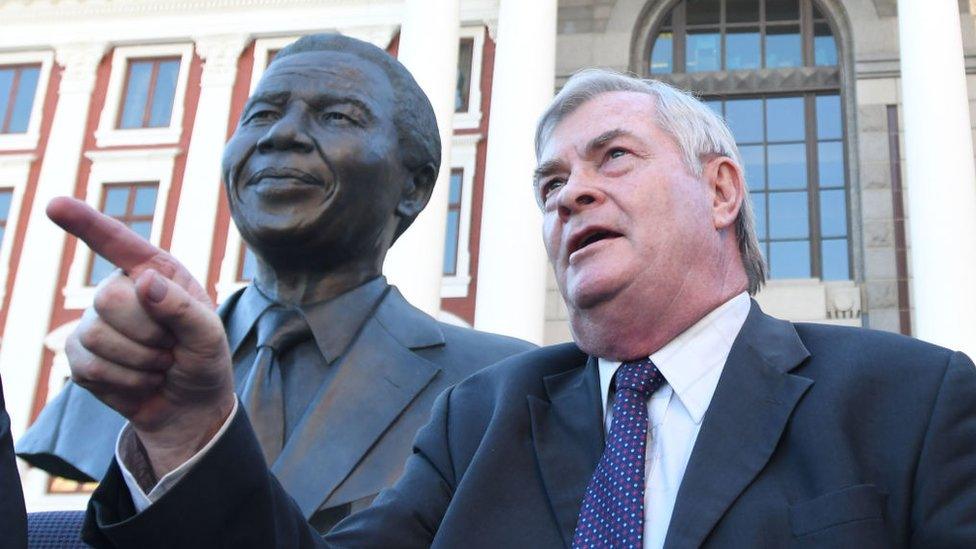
(682, 416)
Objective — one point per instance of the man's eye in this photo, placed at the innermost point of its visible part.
(336, 116)
(263, 115)
(616, 153)
(549, 187)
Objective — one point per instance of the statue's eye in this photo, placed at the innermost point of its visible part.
(263, 115)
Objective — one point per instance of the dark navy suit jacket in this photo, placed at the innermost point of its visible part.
(817, 436)
(13, 520)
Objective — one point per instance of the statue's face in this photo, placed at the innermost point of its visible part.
(313, 171)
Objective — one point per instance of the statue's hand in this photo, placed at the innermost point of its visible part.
(151, 346)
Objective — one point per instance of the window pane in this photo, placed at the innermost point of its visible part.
(26, 89)
(831, 163)
(783, 47)
(250, 265)
(663, 54)
(702, 51)
(451, 242)
(833, 213)
(136, 94)
(828, 117)
(115, 201)
(784, 119)
(787, 166)
(715, 105)
(742, 49)
(5, 197)
(759, 210)
(462, 91)
(782, 10)
(835, 265)
(789, 259)
(742, 11)
(6, 86)
(824, 46)
(702, 12)
(745, 119)
(454, 193)
(754, 163)
(162, 105)
(145, 203)
(789, 216)
(2, 233)
(141, 228)
(100, 269)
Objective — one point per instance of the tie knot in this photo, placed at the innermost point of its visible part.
(281, 328)
(641, 376)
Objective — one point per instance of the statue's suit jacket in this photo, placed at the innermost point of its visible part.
(817, 436)
(356, 435)
(13, 520)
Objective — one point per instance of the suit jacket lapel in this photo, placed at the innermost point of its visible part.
(749, 410)
(567, 432)
(377, 379)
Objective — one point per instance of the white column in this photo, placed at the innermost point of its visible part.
(429, 49)
(941, 174)
(193, 229)
(37, 274)
(512, 261)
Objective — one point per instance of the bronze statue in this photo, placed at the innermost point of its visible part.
(334, 156)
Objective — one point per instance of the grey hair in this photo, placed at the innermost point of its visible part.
(697, 130)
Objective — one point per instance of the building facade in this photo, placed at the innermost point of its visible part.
(126, 104)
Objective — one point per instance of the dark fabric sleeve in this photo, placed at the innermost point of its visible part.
(13, 518)
(409, 513)
(229, 499)
(944, 503)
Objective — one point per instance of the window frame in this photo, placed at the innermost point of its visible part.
(29, 139)
(127, 216)
(14, 172)
(108, 133)
(464, 156)
(119, 166)
(470, 118)
(153, 79)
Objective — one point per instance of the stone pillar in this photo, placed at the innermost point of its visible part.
(940, 172)
(429, 49)
(512, 261)
(29, 316)
(193, 229)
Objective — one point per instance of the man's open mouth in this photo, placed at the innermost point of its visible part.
(589, 236)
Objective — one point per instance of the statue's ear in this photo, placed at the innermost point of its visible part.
(416, 192)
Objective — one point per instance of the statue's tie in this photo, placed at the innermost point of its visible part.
(612, 514)
(278, 330)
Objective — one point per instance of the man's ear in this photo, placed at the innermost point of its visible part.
(727, 188)
(416, 191)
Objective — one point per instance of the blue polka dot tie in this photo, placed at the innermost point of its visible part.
(612, 514)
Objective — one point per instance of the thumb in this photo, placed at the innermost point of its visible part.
(193, 323)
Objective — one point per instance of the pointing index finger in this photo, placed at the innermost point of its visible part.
(106, 236)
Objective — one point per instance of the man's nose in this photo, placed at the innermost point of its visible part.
(579, 193)
(288, 133)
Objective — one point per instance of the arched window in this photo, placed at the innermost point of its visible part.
(770, 68)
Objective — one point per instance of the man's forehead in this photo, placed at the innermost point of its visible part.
(632, 112)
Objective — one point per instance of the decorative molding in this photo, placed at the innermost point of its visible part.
(756, 81)
(79, 62)
(220, 54)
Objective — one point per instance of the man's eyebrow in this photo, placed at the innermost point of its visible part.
(546, 168)
(323, 101)
(601, 140)
(274, 98)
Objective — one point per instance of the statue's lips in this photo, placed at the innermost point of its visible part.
(285, 182)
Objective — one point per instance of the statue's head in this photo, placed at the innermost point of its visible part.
(335, 154)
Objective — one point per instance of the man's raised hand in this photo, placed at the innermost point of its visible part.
(151, 346)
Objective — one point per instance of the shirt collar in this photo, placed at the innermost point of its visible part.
(692, 362)
(334, 323)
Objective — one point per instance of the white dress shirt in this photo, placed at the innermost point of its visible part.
(691, 365)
